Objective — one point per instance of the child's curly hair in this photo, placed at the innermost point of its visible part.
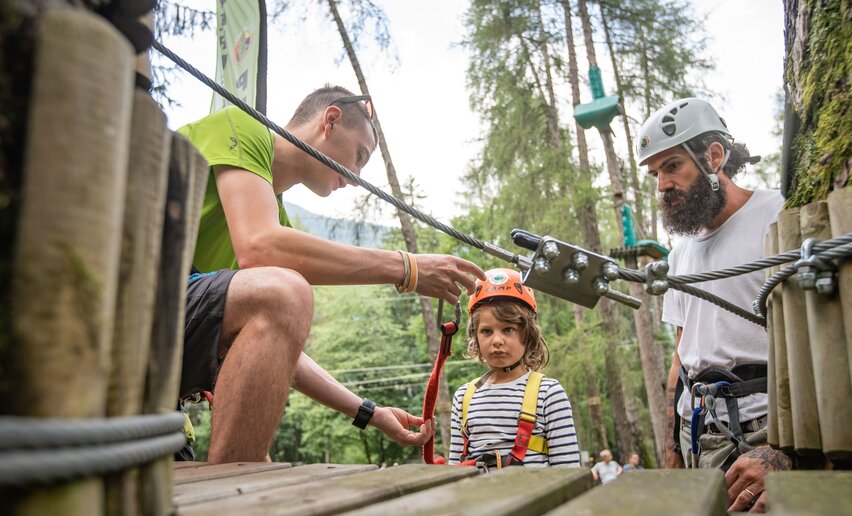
(536, 354)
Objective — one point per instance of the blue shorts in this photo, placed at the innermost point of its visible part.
(206, 294)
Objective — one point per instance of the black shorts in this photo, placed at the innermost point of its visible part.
(205, 306)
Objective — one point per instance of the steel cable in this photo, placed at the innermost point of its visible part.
(322, 158)
(26, 468)
(20, 432)
(774, 280)
(39, 451)
(676, 282)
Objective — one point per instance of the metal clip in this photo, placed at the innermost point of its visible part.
(656, 278)
(456, 314)
(814, 272)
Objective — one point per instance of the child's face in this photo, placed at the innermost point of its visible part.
(500, 342)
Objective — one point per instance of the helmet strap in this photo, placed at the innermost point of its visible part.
(508, 369)
(711, 176)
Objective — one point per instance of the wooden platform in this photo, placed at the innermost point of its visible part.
(277, 488)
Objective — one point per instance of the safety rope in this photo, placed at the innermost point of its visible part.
(827, 249)
(21, 432)
(675, 282)
(322, 158)
(448, 330)
(61, 450)
(774, 280)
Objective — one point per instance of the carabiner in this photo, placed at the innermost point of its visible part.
(456, 313)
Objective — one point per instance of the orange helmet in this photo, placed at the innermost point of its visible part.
(501, 284)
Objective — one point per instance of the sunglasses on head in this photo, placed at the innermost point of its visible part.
(368, 103)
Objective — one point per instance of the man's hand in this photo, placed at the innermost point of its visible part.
(745, 478)
(394, 423)
(444, 276)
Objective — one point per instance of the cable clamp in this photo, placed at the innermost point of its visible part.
(814, 272)
(657, 278)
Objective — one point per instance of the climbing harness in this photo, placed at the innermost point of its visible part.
(524, 440)
(716, 383)
(448, 329)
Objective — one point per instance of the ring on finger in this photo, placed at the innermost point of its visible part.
(747, 490)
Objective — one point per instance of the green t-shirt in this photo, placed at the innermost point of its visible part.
(228, 137)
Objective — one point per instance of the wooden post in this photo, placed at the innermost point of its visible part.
(806, 434)
(840, 213)
(828, 351)
(137, 279)
(69, 234)
(780, 421)
(164, 365)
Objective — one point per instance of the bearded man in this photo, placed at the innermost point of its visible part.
(689, 150)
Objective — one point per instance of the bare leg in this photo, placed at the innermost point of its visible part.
(267, 319)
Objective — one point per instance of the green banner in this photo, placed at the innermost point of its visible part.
(237, 44)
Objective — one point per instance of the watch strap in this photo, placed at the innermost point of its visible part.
(365, 413)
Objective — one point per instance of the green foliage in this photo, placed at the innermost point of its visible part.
(823, 145)
(659, 47)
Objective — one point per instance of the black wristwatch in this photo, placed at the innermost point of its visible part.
(365, 412)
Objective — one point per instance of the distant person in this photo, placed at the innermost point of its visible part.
(690, 151)
(513, 402)
(633, 463)
(607, 469)
(249, 301)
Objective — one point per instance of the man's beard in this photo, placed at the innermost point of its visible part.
(697, 208)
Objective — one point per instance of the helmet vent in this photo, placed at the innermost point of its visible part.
(684, 105)
(668, 125)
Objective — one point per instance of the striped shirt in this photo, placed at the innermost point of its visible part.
(492, 419)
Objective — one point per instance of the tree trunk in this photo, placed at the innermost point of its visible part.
(586, 213)
(651, 357)
(608, 316)
(606, 133)
(817, 125)
(443, 406)
(647, 94)
(639, 198)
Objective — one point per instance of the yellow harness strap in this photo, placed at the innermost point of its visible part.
(528, 408)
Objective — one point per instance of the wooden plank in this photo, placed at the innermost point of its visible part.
(806, 437)
(511, 491)
(186, 464)
(828, 351)
(145, 197)
(661, 492)
(68, 236)
(840, 213)
(336, 495)
(260, 480)
(233, 469)
(809, 492)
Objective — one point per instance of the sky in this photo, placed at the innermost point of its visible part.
(423, 102)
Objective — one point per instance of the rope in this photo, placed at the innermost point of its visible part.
(722, 303)
(20, 432)
(322, 158)
(786, 272)
(31, 467)
(835, 248)
(36, 451)
(676, 282)
(788, 256)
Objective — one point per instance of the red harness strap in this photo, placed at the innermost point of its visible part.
(448, 329)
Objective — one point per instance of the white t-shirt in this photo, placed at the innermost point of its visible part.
(711, 335)
(607, 471)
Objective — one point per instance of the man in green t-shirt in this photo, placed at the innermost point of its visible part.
(249, 299)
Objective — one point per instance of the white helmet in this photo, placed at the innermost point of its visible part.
(675, 124)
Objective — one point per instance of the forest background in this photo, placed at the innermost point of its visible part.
(487, 116)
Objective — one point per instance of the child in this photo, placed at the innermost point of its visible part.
(496, 419)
